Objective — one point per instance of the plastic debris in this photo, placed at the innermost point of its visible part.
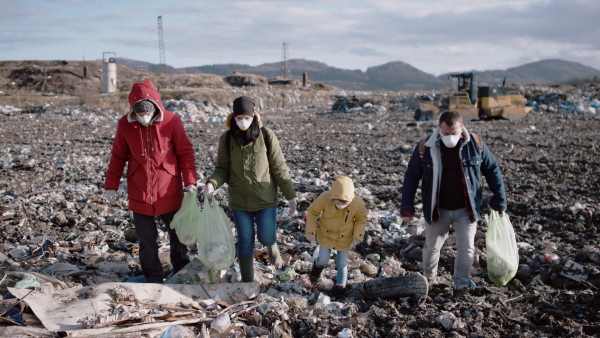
(27, 282)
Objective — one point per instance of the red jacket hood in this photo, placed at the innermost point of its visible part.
(144, 90)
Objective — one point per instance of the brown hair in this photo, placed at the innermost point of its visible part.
(450, 117)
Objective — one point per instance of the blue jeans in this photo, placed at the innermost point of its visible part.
(341, 263)
(266, 229)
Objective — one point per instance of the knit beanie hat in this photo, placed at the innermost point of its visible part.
(342, 189)
(243, 105)
(144, 107)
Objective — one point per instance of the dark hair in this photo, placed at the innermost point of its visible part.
(450, 117)
(245, 137)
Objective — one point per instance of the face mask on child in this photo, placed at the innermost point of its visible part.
(341, 205)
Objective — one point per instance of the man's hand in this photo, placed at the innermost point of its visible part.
(190, 188)
(293, 206)
(209, 190)
(407, 220)
(111, 196)
(312, 240)
(354, 243)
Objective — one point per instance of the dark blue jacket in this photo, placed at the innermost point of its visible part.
(475, 162)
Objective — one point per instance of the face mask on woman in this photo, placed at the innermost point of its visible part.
(144, 119)
(244, 124)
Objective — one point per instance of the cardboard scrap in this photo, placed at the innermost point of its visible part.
(65, 309)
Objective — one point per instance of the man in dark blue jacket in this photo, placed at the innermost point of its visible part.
(450, 163)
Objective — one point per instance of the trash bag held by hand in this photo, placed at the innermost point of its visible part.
(216, 248)
(186, 221)
(502, 251)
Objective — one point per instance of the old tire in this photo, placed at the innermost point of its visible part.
(396, 287)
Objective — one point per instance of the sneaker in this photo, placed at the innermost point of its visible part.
(431, 281)
(462, 293)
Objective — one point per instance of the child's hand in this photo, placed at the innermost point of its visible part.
(355, 243)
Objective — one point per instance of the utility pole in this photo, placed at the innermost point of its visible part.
(161, 48)
(284, 60)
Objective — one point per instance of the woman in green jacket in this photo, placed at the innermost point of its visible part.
(250, 161)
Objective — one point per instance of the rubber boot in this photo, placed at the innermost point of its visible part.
(273, 251)
(247, 269)
(315, 273)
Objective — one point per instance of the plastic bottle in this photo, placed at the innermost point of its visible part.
(553, 258)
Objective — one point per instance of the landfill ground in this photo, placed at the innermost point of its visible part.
(53, 159)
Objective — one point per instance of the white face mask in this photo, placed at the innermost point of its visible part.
(341, 206)
(144, 119)
(451, 140)
(244, 124)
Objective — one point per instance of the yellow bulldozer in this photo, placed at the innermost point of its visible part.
(472, 101)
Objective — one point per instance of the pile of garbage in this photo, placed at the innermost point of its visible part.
(192, 111)
(583, 99)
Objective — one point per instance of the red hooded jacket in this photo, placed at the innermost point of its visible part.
(158, 157)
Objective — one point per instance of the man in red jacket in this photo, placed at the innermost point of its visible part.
(159, 156)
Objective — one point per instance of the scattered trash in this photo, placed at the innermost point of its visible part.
(27, 282)
(221, 323)
(447, 320)
(178, 331)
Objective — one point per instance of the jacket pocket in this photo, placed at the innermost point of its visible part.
(171, 169)
(132, 166)
(475, 161)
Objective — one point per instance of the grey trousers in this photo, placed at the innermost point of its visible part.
(436, 234)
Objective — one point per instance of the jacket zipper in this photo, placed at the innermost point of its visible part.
(148, 139)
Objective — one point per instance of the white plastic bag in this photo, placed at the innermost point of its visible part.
(216, 248)
(502, 251)
(185, 222)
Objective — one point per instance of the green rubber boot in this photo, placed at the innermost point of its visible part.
(247, 269)
(274, 255)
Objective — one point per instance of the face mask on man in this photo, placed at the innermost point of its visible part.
(451, 140)
(144, 119)
(244, 124)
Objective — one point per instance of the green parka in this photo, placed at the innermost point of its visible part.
(252, 173)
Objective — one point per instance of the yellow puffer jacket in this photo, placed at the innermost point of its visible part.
(337, 228)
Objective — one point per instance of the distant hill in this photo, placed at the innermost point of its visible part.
(391, 76)
(540, 72)
(399, 75)
(395, 76)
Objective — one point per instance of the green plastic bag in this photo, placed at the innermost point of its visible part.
(186, 221)
(502, 251)
(216, 247)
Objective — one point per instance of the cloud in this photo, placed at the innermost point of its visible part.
(364, 51)
(432, 35)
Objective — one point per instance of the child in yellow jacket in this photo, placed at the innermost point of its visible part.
(341, 227)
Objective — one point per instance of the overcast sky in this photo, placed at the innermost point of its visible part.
(435, 36)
